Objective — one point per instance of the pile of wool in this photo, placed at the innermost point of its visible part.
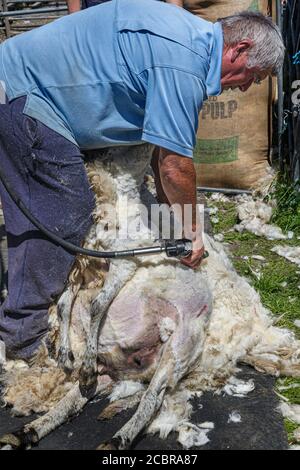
(292, 253)
(174, 415)
(292, 412)
(254, 216)
(34, 389)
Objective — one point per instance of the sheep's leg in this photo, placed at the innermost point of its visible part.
(2, 356)
(172, 366)
(69, 406)
(149, 405)
(276, 366)
(2, 364)
(64, 309)
(120, 272)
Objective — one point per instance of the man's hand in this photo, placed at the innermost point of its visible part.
(179, 3)
(177, 183)
(195, 258)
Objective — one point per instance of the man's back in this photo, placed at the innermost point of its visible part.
(82, 74)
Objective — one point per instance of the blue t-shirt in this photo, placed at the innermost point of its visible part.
(119, 73)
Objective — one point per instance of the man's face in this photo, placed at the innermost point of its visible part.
(235, 73)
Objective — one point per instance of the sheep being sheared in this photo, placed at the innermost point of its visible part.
(152, 331)
(154, 322)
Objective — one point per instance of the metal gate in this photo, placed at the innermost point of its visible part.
(289, 124)
(17, 16)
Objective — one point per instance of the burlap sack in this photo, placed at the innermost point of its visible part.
(233, 136)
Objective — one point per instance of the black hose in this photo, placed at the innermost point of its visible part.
(70, 246)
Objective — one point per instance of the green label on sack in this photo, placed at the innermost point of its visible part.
(216, 150)
(254, 6)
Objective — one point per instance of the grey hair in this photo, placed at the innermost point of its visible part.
(267, 52)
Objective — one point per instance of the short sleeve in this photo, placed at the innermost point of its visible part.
(174, 99)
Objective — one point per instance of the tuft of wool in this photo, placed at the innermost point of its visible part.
(166, 328)
(206, 425)
(175, 410)
(219, 237)
(174, 416)
(191, 435)
(296, 434)
(290, 411)
(35, 390)
(238, 388)
(291, 253)
(234, 417)
(219, 197)
(125, 389)
(255, 216)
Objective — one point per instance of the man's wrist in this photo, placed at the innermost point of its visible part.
(194, 233)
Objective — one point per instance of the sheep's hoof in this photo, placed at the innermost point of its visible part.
(112, 444)
(3, 373)
(10, 440)
(18, 440)
(2, 384)
(66, 360)
(106, 446)
(88, 381)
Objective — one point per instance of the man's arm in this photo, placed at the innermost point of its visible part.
(179, 3)
(161, 195)
(73, 6)
(178, 183)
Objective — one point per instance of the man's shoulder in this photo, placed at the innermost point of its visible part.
(165, 20)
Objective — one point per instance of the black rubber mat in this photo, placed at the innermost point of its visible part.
(261, 425)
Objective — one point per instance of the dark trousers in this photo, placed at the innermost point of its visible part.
(47, 172)
(91, 3)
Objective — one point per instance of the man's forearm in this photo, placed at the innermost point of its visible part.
(178, 179)
(73, 5)
(161, 195)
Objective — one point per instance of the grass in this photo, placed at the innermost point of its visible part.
(275, 278)
(290, 427)
(290, 389)
(287, 213)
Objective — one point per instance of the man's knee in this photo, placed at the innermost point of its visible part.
(22, 333)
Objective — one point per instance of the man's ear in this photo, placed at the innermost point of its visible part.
(242, 47)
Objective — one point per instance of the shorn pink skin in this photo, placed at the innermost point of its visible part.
(131, 340)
